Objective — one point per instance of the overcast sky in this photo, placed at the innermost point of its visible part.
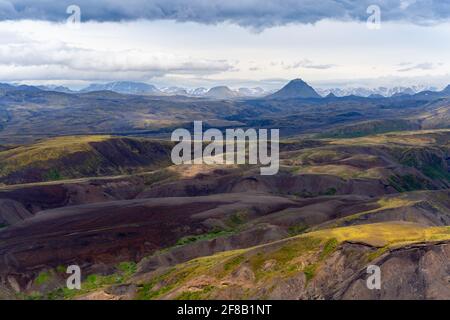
(195, 43)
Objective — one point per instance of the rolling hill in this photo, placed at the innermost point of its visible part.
(27, 115)
(225, 232)
(361, 180)
(81, 156)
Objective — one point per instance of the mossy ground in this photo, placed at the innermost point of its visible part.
(303, 253)
(124, 271)
(45, 150)
(386, 203)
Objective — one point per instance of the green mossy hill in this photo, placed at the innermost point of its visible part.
(253, 270)
(81, 156)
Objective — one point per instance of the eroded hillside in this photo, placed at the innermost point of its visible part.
(81, 156)
(215, 231)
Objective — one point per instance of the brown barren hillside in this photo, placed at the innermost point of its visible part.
(226, 232)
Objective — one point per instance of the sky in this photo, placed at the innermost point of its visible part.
(245, 43)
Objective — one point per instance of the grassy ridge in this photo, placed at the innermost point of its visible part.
(81, 156)
(205, 277)
(370, 128)
(300, 254)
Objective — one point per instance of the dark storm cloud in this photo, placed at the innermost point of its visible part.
(250, 13)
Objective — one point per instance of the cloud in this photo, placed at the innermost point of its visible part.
(58, 60)
(404, 4)
(256, 14)
(420, 66)
(308, 64)
(402, 64)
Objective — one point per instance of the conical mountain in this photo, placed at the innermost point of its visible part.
(221, 92)
(295, 89)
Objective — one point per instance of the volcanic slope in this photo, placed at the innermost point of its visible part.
(81, 156)
(226, 232)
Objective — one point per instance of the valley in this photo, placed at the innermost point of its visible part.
(257, 157)
(27, 115)
(142, 228)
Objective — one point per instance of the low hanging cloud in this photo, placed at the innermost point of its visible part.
(257, 14)
(38, 60)
(419, 66)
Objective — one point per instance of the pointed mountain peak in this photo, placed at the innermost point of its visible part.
(298, 80)
(296, 88)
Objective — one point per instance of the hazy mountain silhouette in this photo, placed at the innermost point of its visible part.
(295, 89)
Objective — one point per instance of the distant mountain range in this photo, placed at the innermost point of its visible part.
(5, 87)
(27, 112)
(219, 92)
(125, 87)
(56, 89)
(296, 88)
(372, 92)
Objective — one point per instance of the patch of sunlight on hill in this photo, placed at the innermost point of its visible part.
(304, 253)
(385, 139)
(45, 150)
(413, 138)
(321, 155)
(384, 204)
(386, 234)
(345, 172)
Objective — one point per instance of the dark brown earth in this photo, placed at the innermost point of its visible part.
(102, 221)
